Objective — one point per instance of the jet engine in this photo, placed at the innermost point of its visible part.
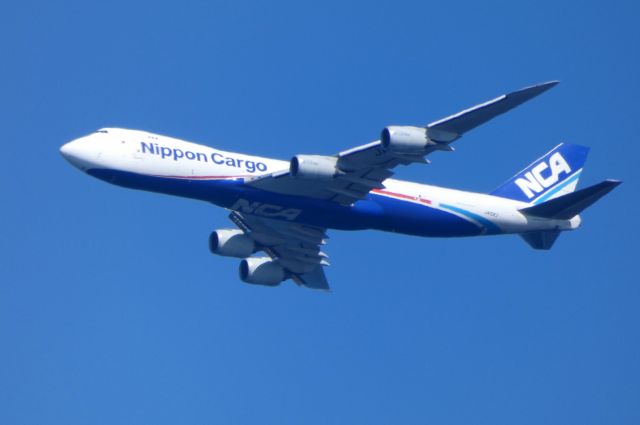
(405, 140)
(261, 271)
(231, 243)
(314, 167)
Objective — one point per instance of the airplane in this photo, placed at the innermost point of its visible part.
(283, 209)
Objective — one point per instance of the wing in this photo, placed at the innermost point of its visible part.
(363, 168)
(296, 247)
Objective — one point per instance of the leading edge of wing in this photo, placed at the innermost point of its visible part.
(453, 126)
(372, 162)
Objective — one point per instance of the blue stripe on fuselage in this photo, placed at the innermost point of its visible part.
(375, 212)
(488, 227)
(403, 216)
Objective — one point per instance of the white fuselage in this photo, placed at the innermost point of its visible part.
(147, 161)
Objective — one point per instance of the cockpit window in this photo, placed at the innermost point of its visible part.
(102, 131)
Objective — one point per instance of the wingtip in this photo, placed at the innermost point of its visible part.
(551, 83)
(530, 92)
(541, 87)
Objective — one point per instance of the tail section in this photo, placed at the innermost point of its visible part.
(553, 175)
(542, 239)
(564, 207)
(568, 206)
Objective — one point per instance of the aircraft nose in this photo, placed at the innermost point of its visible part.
(67, 149)
(78, 153)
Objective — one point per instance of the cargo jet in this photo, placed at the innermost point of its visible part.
(282, 209)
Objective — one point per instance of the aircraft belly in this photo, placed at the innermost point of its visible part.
(216, 189)
(375, 212)
(421, 219)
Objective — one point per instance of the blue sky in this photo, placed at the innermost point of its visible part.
(113, 311)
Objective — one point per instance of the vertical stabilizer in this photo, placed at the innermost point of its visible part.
(553, 175)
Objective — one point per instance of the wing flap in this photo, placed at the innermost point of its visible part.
(315, 279)
(296, 247)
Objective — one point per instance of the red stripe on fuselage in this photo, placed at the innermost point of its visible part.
(402, 196)
(202, 177)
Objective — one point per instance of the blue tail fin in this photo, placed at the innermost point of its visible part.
(554, 174)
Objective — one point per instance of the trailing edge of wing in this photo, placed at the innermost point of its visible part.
(452, 127)
(296, 247)
(315, 279)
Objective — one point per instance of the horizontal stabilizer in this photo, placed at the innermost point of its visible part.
(450, 128)
(542, 239)
(567, 206)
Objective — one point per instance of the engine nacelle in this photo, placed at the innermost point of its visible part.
(405, 140)
(316, 167)
(231, 243)
(261, 271)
